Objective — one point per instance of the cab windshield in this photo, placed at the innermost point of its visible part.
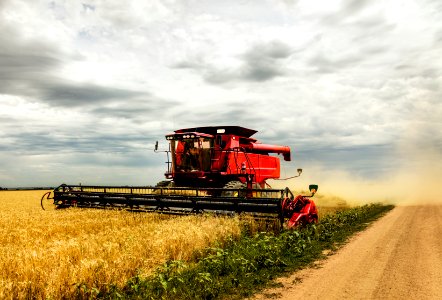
(191, 154)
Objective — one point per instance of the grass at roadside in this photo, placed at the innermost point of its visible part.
(245, 265)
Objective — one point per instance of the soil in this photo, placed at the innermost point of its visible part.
(397, 257)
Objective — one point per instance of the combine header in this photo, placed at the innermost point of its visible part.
(209, 169)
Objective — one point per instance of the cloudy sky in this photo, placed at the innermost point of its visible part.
(87, 87)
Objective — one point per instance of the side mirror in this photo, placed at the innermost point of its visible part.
(313, 188)
(156, 146)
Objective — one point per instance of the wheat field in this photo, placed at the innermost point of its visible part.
(47, 254)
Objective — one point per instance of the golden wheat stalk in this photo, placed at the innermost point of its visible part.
(44, 254)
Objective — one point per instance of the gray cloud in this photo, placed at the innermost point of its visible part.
(28, 67)
(58, 92)
(369, 161)
(19, 64)
(79, 94)
(354, 6)
(323, 64)
(438, 37)
(141, 110)
(349, 45)
(193, 63)
(271, 50)
(42, 141)
(262, 62)
(349, 8)
(19, 54)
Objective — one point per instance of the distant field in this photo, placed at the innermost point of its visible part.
(45, 254)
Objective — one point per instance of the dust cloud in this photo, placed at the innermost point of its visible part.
(414, 184)
(416, 179)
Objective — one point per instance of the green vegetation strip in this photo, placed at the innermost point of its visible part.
(245, 265)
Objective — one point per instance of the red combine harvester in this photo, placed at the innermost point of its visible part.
(209, 169)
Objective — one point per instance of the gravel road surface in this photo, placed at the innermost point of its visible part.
(397, 257)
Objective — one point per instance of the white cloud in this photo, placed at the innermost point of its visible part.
(337, 77)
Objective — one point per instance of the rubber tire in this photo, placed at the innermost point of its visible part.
(235, 184)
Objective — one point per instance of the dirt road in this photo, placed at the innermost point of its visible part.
(397, 257)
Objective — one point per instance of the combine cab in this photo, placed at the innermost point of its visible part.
(209, 169)
(221, 157)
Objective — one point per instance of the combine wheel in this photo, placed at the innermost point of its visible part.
(47, 202)
(234, 185)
